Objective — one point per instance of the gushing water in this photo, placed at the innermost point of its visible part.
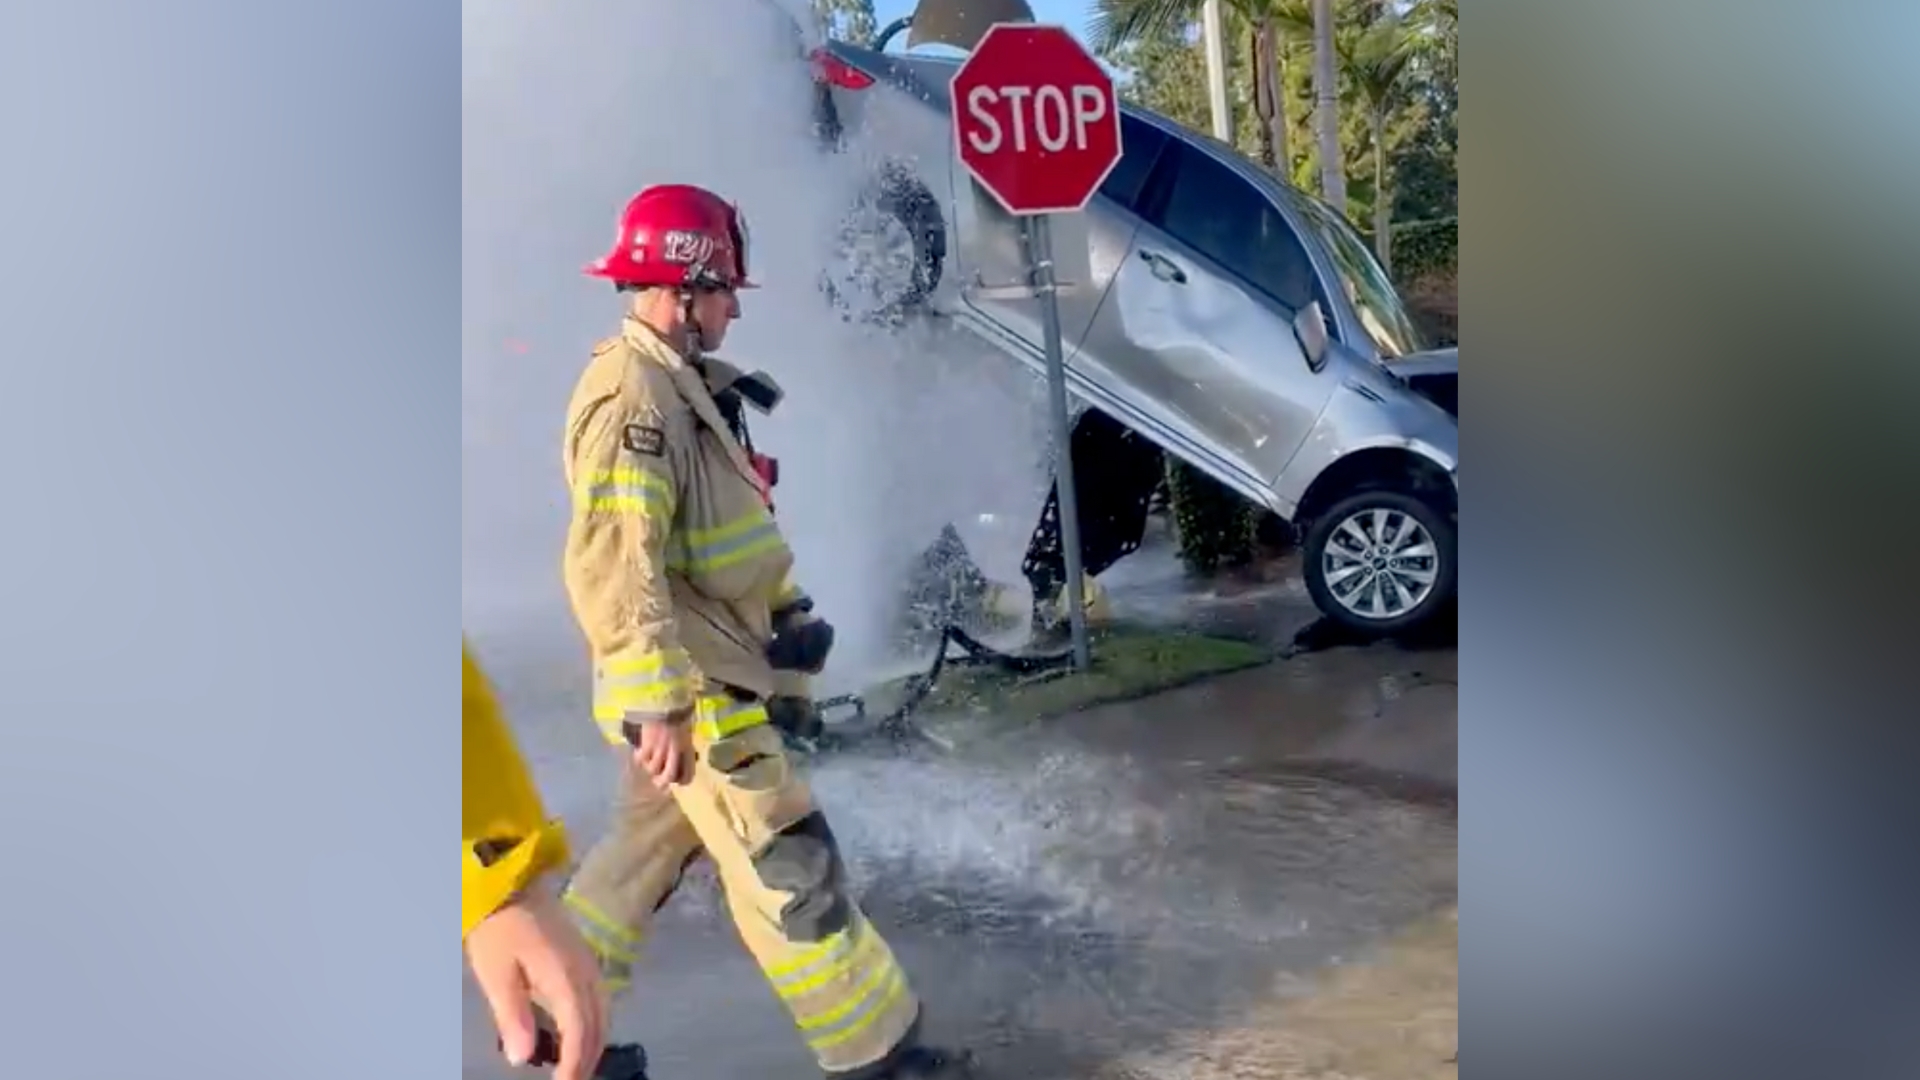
(568, 109)
(1045, 829)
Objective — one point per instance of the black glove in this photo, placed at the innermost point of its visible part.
(800, 644)
(796, 716)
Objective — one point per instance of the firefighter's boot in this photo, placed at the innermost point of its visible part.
(917, 1062)
(621, 1061)
(624, 1061)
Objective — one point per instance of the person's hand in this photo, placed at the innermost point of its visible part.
(529, 953)
(663, 748)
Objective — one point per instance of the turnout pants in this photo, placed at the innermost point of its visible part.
(751, 813)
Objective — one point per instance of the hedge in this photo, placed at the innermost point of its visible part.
(1214, 524)
(1421, 248)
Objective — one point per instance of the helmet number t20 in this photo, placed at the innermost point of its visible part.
(685, 246)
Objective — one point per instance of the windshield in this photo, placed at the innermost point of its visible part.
(1374, 298)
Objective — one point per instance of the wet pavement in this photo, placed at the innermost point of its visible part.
(1149, 889)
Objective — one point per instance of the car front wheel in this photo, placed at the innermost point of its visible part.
(1380, 562)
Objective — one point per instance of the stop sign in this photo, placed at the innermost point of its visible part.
(1035, 119)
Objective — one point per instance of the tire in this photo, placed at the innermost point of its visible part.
(892, 249)
(1355, 600)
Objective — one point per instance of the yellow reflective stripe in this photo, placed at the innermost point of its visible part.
(726, 545)
(861, 995)
(658, 696)
(746, 523)
(612, 957)
(647, 663)
(831, 959)
(834, 945)
(604, 935)
(829, 969)
(722, 717)
(624, 490)
(602, 921)
(654, 682)
(877, 995)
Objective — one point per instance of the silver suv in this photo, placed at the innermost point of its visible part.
(1213, 312)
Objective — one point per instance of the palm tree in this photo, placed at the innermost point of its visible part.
(1375, 59)
(1326, 120)
(1280, 24)
(1442, 16)
(1114, 23)
(1268, 104)
(1440, 21)
(1275, 23)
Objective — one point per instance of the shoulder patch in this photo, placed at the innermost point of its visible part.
(642, 439)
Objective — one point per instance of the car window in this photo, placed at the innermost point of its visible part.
(1140, 144)
(1375, 300)
(1210, 208)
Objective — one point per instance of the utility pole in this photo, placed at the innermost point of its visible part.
(1213, 36)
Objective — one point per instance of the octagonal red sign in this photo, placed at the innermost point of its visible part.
(1035, 118)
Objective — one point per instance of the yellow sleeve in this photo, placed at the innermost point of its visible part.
(506, 839)
(624, 500)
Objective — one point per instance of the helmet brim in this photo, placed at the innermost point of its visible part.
(600, 270)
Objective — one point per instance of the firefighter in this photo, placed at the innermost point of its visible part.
(519, 943)
(682, 585)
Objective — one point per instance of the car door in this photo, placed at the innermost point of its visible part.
(1108, 222)
(1199, 317)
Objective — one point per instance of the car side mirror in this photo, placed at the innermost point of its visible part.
(1310, 328)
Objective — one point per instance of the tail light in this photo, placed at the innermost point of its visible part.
(833, 71)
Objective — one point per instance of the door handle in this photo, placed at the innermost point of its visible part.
(1164, 268)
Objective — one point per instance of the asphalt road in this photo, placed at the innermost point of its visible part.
(1094, 897)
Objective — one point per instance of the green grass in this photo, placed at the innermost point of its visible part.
(1127, 663)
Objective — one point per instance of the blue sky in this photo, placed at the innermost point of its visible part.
(1071, 14)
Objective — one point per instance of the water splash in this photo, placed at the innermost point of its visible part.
(567, 110)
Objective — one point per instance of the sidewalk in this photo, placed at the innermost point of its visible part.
(1395, 1016)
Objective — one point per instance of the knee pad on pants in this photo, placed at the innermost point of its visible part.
(803, 861)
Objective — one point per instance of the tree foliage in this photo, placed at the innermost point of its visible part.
(848, 20)
(1399, 91)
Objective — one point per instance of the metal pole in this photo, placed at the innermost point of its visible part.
(1040, 249)
(1214, 38)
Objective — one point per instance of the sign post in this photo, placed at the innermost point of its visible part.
(1037, 124)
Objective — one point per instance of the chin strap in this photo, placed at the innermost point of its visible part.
(690, 326)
